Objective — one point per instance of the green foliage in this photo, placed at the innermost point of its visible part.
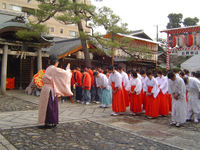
(190, 21)
(116, 34)
(175, 20)
(34, 31)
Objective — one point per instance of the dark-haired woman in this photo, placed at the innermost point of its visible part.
(151, 89)
(56, 84)
(135, 94)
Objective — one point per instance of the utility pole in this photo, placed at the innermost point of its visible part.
(157, 41)
(157, 33)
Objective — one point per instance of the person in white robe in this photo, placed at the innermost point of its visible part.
(118, 101)
(152, 90)
(163, 95)
(106, 93)
(135, 87)
(193, 104)
(125, 82)
(176, 87)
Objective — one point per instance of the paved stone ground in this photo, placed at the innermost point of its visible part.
(18, 128)
(79, 135)
(9, 103)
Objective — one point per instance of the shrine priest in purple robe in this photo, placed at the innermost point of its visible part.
(56, 84)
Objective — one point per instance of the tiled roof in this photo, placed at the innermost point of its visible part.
(64, 46)
(8, 15)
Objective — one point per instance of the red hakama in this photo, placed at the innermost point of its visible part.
(163, 103)
(135, 101)
(152, 106)
(118, 102)
(126, 95)
(143, 95)
(170, 101)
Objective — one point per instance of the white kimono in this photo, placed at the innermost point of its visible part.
(177, 75)
(143, 81)
(163, 83)
(130, 77)
(139, 76)
(137, 83)
(125, 80)
(116, 78)
(193, 104)
(102, 80)
(178, 106)
(152, 83)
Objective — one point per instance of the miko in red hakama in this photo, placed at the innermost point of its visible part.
(163, 103)
(135, 101)
(118, 102)
(152, 105)
(126, 95)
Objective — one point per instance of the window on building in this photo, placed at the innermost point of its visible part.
(73, 33)
(28, 14)
(196, 52)
(28, 1)
(16, 8)
(191, 53)
(52, 29)
(4, 5)
(61, 31)
(187, 53)
(183, 53)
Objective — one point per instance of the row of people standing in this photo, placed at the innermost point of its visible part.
(146, 93)
(87, 86)
(141, 91)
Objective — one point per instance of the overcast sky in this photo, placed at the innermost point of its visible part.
(145, 14)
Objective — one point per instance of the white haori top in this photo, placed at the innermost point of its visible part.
(152, 83)
(177, 86)
(139, 76)
(137, 83)
(193, 86)
(102, 80)
(163, 83)
(143, 80)
(116, 78)
(125, 80)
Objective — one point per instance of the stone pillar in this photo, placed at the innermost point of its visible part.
(39, 60)
(4, 69)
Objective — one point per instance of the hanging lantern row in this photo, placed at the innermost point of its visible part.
(184, 40)
(80, 55)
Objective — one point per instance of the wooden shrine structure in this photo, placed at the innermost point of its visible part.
(17, 56)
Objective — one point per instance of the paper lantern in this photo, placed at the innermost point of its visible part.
(197, 39)
(116, 52)
(189, 40)
(119, 52)
(181, 40)
(83, 55)
(91, 56)
(172, 41)
(78, 55)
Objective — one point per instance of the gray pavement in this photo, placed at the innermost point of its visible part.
(147, 133)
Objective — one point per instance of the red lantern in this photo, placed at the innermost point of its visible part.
(181, 40)
(189, 40)
(172, 41)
